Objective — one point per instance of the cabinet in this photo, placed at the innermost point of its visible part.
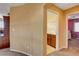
(4, 40)
(51, 40)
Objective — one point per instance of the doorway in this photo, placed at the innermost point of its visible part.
(72, 29)
(52, 31)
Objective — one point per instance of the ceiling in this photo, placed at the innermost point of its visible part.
(5, 7)
(73, 16)
(65, 6)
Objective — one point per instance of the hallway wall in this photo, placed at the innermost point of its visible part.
(26, 29)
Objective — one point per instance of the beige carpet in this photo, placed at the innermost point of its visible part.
(7, 52)
(72, 50)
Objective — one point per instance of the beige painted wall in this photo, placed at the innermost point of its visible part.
(26, 28)
(72, 10)
(52, 22)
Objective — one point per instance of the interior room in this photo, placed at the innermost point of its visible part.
(38, 29)
(73, 33)
(52, 30)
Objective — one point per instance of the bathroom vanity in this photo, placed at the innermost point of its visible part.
(51, 40)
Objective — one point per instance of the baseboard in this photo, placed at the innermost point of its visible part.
(20, 52)
(62, 48)
(59, 49)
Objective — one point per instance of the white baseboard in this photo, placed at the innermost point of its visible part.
(62, 48)
(59, 49)
(20, 52)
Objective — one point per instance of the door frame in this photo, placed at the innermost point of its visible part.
(67, 26)
(57, 33)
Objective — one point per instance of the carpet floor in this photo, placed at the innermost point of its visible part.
(7, 52)
(72, 50)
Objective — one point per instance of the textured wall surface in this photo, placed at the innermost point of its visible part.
(26, 28)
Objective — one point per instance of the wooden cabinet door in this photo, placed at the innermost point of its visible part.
(6, 31)
(48, 39)
(51, 40)
(4, 40)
